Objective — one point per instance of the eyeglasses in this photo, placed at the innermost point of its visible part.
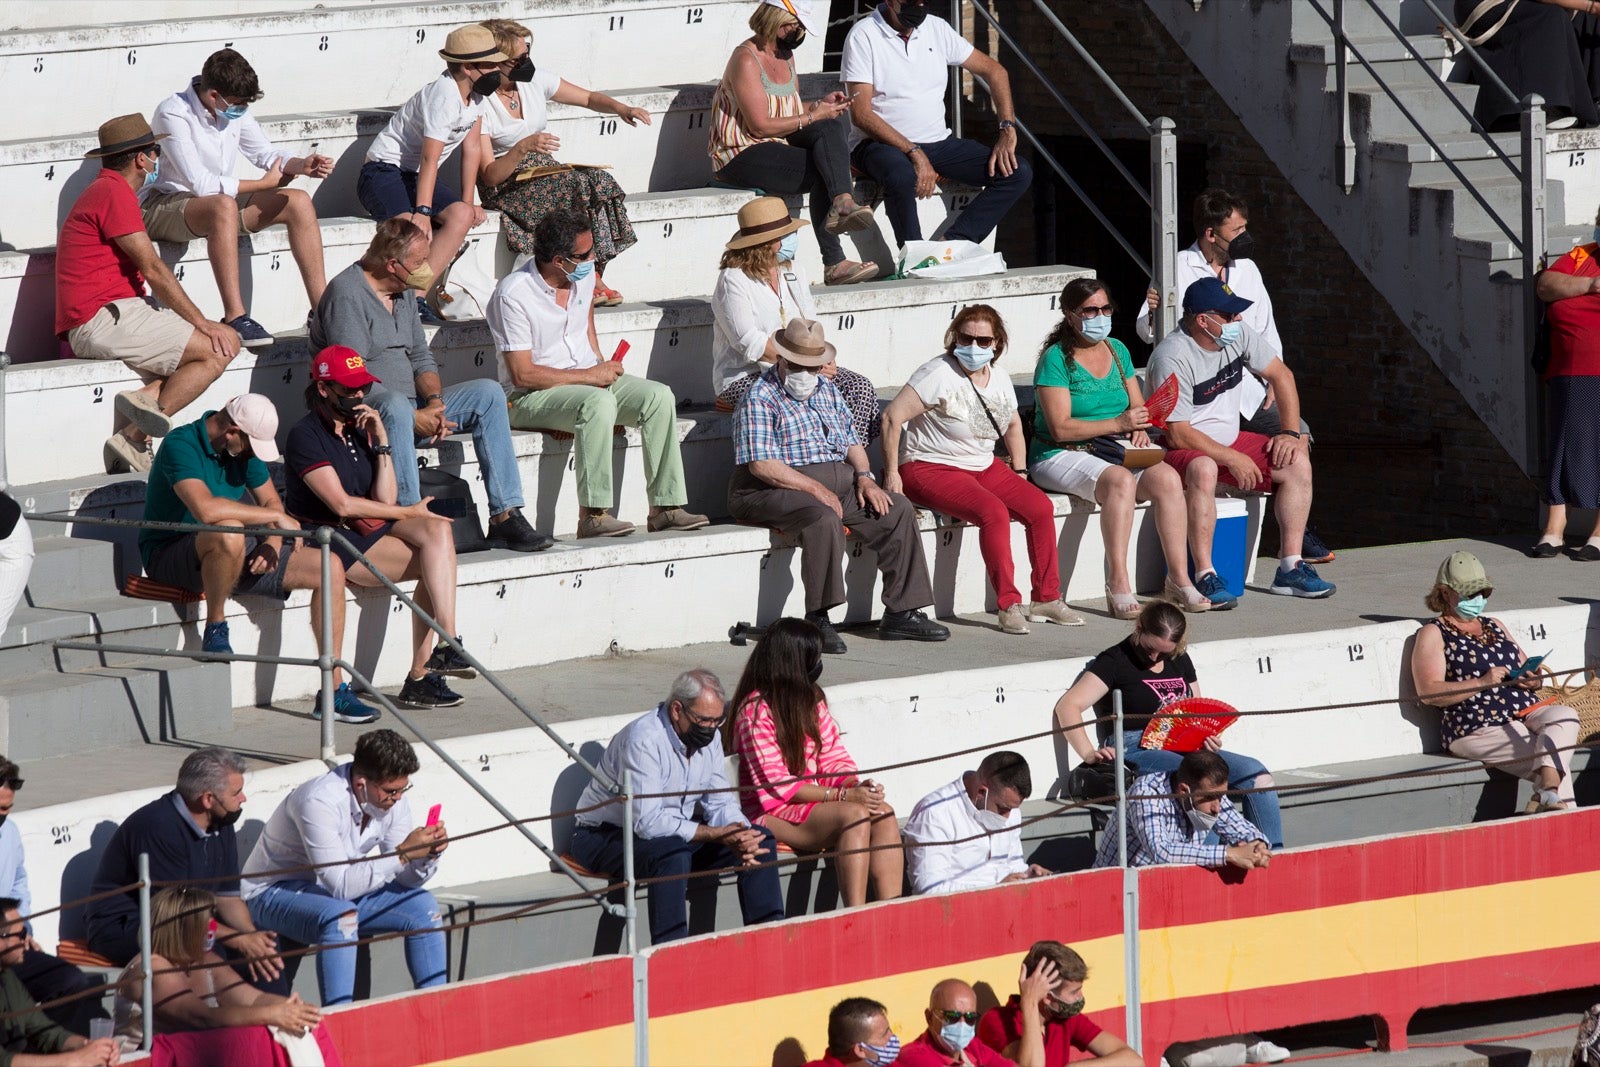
(1094, 312)
(983, 341)
(968, 1017)
(11, 783)
(698, 721)
(20, 934)
(391, 794)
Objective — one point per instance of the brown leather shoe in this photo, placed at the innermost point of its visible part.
(603, 524)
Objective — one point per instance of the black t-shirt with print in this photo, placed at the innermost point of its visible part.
(1144, 692)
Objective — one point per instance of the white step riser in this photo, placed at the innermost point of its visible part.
(33, 17)
(323, 61)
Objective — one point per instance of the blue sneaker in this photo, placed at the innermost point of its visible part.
(215, 639)
(1214, 589)
(251, 333)
(1302, 581)
(347, 707)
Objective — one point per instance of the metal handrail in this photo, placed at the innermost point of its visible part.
(1089, 61)
(1078, 190)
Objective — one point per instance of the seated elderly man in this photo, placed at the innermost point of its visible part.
(542, 320)
(802, 469)
(1060, 1007)
(979, 815)
(1173, 817)
(1210, 353)
(676, 749)
(953, 1015)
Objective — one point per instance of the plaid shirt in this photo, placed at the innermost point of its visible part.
(770, 424)
(1160, 832)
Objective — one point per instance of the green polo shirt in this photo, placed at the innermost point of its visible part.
(30, 1031)
(186, 453)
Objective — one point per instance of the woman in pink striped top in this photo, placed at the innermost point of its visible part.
(796, 779)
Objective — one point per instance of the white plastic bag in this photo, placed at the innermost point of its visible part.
(949, 259)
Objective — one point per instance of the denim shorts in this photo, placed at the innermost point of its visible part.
(386, 191)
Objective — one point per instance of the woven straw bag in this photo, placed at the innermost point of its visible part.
(1579, 691)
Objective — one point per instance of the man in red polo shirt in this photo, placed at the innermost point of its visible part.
(953, 1021)
(1053, 977)
(859, 1035)
(103, 259)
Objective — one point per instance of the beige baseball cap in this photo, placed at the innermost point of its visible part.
(1464, 573)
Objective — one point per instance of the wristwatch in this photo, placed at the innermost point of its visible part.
(422, 210)
(913, 150)
(863, 474)
(383, 450)
(1005, 124)
(1289, 433)
(431, 397)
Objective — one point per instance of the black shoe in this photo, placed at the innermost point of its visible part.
(1587, 554)
(429, 691)
(447, 660)
(1313, 550)
(517, 534)
(910, 626)
(832, 643)
(1544, 550)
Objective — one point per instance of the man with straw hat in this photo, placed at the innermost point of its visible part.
(803, 470)
(104, 257)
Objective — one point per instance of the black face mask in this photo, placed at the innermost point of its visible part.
(488, 83)
(346, 405)
(1143, 657)
(523, 71)
(1242, 246)
(912, 15)
(698, 737)
(793, 39)
(219, 821)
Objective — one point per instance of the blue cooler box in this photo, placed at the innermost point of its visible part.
(1230, 547)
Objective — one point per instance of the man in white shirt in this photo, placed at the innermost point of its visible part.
(896, 67)
(207, 127)
(334, 819)
(980, 814)
(542, 320)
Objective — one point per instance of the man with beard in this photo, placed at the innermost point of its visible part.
(188, 834)
(1060, 1002)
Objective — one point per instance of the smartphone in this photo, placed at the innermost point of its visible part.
(433, 815)
(622, 350)
(1527, 666)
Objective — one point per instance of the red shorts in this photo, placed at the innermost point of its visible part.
(1253, 445)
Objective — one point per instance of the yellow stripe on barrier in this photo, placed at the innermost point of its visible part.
(610, 1047)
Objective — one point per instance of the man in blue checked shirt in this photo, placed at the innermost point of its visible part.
(802, 469)
(1183, 816)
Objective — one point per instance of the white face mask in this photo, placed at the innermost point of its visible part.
(368, 808)
(800, 384)
(1200, 820)
(990, 820)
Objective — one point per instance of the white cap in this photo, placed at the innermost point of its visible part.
(255, 415)
(804, 11)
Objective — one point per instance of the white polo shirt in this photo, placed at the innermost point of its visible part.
(909, 75)
(436, 111)
(523, 316)
(200, 152)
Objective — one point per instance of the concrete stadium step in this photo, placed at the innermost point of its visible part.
(1504, 195)
(320, 60)
(106, 12)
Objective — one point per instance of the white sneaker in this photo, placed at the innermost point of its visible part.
(1265, 1052)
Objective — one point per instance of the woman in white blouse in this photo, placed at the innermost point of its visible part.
(940, 434)
(515, 139)
(760, 288)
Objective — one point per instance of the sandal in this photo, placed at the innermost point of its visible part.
(1122, 605)
(1186, 597)
(605, 296)
(849, 272)
(849, 218)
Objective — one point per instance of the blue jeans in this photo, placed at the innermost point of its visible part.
(479, 407)
(1259, 808)
(956, 159)
(599, 848)
(308, 913)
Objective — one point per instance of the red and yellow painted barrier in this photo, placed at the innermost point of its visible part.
(1380, 928)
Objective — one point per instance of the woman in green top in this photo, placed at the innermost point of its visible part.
(1084, 387)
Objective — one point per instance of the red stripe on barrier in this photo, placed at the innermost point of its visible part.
(907, 935)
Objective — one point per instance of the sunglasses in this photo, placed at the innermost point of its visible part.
(11, 783)
(968, 1017)
(982, 340)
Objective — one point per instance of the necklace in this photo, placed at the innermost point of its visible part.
(777, 290)
(513, 102)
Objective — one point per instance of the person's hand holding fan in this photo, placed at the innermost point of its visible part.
(1165, 732)
(1162, 402)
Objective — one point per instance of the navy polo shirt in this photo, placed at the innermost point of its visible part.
(178, 850)
(312, 444)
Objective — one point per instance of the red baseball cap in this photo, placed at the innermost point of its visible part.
(336, 363)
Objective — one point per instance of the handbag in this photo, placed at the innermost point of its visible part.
(1580, 692)
(452, 497)
(1097, 782)
(1114, 449)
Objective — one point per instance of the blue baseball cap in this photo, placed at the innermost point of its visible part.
(1210, 294)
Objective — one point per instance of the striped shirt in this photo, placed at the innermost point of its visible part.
(1159, 831)
(768, 782)
(729, 136)
(770, 424)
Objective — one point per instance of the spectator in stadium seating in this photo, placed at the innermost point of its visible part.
(952, 1016)
(676, 749)
(765, 137)
(1224, 249)
(859, 1035)
(336, 819)
(1570, 289)
(1058, 989)
(1547, 47)
(1462, 662)
(27, 1034)
(214, 471)
(1210, 355)
(1184, 816)
(196, 195)
(400, 178)
(206, 1014)
(16, 557)
(803, 470)
(104, 257)
(340, 472)
(188, 834)
(760, 287)
(1088, 408)
(1151, 669)
(541, 318)
(968, 834)
(896, 70)
(515, 139)
(952, 413)
(795, 776)
(365, 308)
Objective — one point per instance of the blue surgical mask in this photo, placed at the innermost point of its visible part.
(1097, 328)
(234, 112)
(1472, 606)
(1231, 333)
(154, 175)
(973, 357)
(789, 247)
(958, 1035)
(885, 1054)
(580, 271)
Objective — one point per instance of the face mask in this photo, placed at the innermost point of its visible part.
(959, 1034)
(234, 112)
(793, 39)
(973, 357)
(580, 271)
(420, 279)
(1472, 607)
(1230, 335)
(913, 15)
(1242, 246)
(1200, 820)
(789, 247)
(990, 820)
(1143, 656)
(487, 83)
(885, 1054)
(800, 384)
(346, 405)
(218, 821)
(698, 737)
(1063, 1009)
(368, 808)
(523, 71)
(1097, 328)
(154, 175)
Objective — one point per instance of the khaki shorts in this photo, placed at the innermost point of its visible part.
(164, 221)
(147, 337)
